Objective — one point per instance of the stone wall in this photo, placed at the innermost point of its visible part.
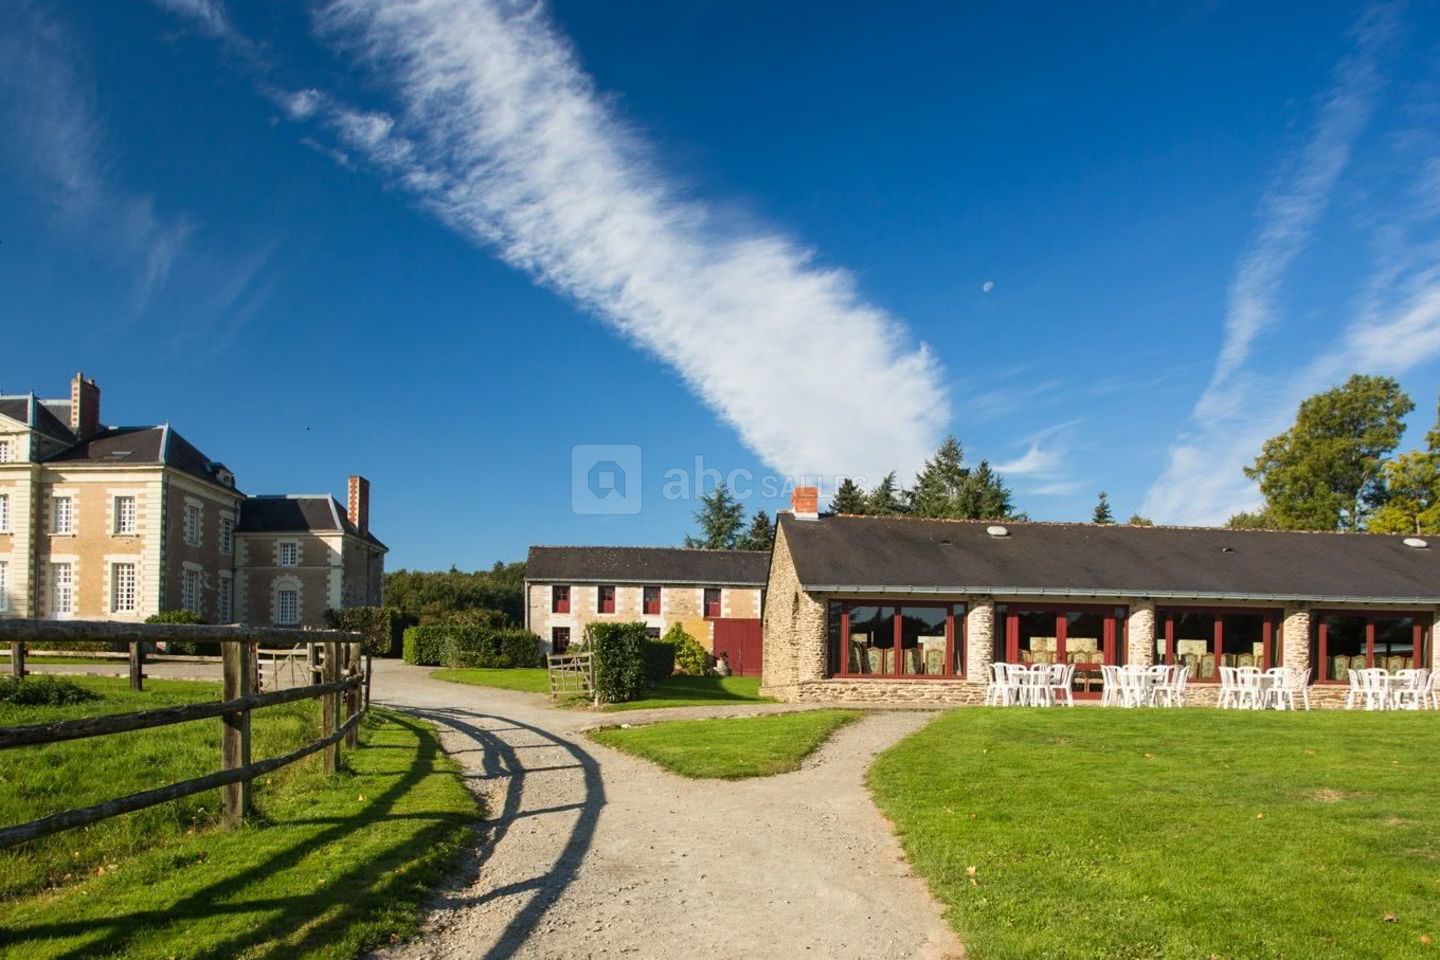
(1140, 633)
(794, 651)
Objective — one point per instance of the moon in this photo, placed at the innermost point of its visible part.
(987, 286)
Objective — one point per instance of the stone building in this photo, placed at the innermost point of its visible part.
(568, 587)
(118, 523)
(900, 609)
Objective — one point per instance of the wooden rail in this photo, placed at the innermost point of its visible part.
(344, 685)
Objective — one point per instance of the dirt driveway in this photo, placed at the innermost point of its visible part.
(590, 853)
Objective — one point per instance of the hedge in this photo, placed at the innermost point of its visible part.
(382, 626)
(186, 648)
(465, 645)
(660, 655)
(620, 660)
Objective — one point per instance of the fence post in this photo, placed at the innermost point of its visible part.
(352, 696)
(330, 706)
(137, 665)
(235, 736)
(369, 672)
(17, 660)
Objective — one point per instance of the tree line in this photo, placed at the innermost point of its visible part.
(1336, 467)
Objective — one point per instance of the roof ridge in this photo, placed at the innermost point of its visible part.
(1082, 523)
(648, 546)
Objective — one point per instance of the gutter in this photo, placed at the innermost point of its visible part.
(1117, 592)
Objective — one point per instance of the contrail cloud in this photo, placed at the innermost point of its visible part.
(502, 135)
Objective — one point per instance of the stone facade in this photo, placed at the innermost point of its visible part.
(679, 603)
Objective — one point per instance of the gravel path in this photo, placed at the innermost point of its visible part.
(590, 853)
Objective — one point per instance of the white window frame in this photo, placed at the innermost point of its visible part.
(127, 522)
(68, 527)
(4, 513)
(4, 585)
(62, 587)
(5, 452)
(191, 584)
(124, 596)
(227, 535)
(194, 518)
(225, 600)
(281, 620)
(290, 545)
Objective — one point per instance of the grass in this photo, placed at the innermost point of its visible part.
(1174, 834)
(524, 679)
(78, 660)
(328, 867)
(697, 692)
(729, 749)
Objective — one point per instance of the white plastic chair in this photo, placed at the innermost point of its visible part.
(1109, 686)
(1376, 686)
(1407, 689)
(1249, 691)
(1062, 682)
(1177, 686)
(1429, 692)
(1227, 688)
(996, 692)
(1356, 694)
(1279, 689)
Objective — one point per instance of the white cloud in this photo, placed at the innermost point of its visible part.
(503, 136)
(55, 138)
(1045, 467)
(1203, 480)
(208, 15)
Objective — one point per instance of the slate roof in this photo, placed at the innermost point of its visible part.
(50, 417)
(297, 513)
(648, 565)
(142, 445)
(876, 554)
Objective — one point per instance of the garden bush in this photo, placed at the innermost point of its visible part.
(691, 659)
(464, 646)
(660, 655)
(41, 690)
(184, 648)
(620, 662)
(382, 626)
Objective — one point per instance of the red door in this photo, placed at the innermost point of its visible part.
(742, 642)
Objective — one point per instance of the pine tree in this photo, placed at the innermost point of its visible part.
(849, 498)
(985, 496)
(887, 499)
(940, 485)
(761, 535)
(1103, 513)
(720, 518)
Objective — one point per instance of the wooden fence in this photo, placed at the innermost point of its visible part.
(341, 684)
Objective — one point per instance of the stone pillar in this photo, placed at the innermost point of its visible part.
(1140, 633)
(979, 639)
(1295, 640)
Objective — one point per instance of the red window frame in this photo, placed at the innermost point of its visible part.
(712, 603)
(605, 599)
(1165, 627)
(1114, 641)
(955, 639)
(650, 600)
(560, 599)
(559, 639)
(1321, 629)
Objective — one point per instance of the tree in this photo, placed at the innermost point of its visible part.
(761, 535)
(439, 596)
(940, 486)
(849, 498)
(720, 517)
(985, 496)
(1325, 471)
(1412, 495)
(1103, 513)
(1257, 520)
(887, 499)
(1138, 521)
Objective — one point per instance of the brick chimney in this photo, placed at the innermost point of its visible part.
(357, 505)
(84, 407)
(805, 502)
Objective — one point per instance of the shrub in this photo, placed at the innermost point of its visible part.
(382, 626)
(184, 648)
(692, 659)
(424, 645)
(463, 645)
(619, 660)
(659, 659)
(43, 690)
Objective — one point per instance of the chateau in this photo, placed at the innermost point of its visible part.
(118, 523)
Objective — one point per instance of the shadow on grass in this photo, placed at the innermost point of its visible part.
(324, 914)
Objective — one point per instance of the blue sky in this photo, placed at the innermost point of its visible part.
(440, 244)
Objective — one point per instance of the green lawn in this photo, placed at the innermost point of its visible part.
(120, 664)
(697, 692)
(1174, 834)
(730, 749)
(328, 866)
(523, 679)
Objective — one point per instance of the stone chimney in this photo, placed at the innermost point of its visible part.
(805, 502)
(357, 505)
(84, 407)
